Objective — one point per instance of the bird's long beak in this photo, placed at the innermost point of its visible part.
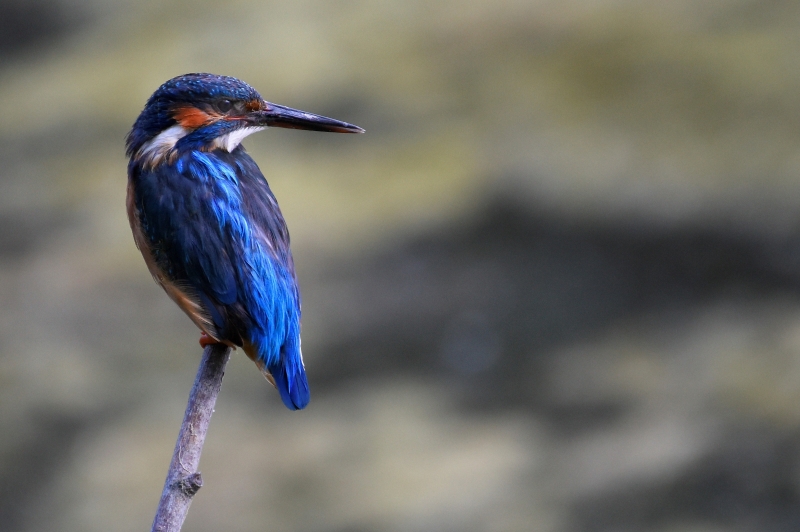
(279, 116)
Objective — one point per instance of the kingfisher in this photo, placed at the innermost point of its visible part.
(209, 227)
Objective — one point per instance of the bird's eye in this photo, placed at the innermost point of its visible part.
(224, 105)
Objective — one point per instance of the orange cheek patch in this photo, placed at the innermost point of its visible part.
(192, 117)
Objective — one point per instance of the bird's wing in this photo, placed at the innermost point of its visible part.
(275, 348)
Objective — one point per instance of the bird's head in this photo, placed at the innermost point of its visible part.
(207, 112)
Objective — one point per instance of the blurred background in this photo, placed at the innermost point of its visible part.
(555, 287)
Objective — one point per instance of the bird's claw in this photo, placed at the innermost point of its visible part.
(206, 340)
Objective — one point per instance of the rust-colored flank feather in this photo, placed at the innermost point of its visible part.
(252, 353)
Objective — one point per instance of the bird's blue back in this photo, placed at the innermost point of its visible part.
(215, 231)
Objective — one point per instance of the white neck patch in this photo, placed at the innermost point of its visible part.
(154, 150)
(230, 141)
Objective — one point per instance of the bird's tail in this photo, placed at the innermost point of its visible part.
(292, 385)
(288, 376)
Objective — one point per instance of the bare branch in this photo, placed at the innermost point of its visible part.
(183, 479)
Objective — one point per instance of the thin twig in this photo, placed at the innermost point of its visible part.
(183, 479)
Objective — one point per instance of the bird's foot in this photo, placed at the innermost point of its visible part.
(206, 340)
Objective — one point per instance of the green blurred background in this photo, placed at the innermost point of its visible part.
(555, 287)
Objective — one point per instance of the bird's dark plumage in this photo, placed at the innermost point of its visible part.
(208, 225)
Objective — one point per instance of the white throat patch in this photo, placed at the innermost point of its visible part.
(230, 141)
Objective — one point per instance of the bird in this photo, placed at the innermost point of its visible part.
(208, 225)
